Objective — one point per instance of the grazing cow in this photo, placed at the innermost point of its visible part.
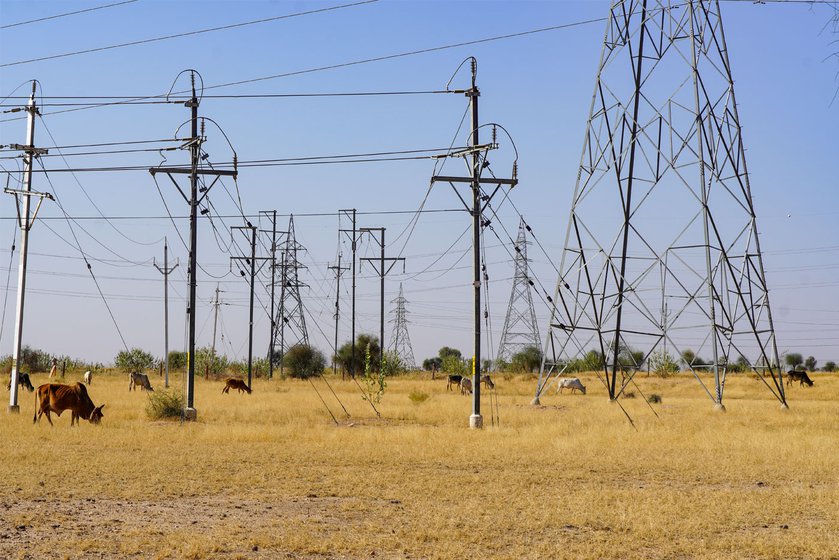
(141, 380)
(486, 380)
(88, 377)
(454, 380)
(235, 383)
(800, 376)
(55, 397)
(24, 381)
(465, 386)
(572, 383)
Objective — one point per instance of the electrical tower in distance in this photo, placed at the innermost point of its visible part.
(401, 342)
(520, 327)
(662, 240)
(290, 319)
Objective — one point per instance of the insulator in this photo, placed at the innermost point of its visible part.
(242, 273)
(89, 267)
(486, 314)
(530, 282)
(527, 227)
(203, 127)
(494, 134)
(250, 225)
(567, 287)
(550, 299)
(518, 250)
(516, 171)
(13, 248)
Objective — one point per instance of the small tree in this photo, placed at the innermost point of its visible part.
(662, 363)
(135, 360)
(304, 362)
(830, 366)
(455, 365)
(432, 364)
(177, 359)
(345, 357)
(208, 362)
(446, 352)
(810, 363)
(794, 360)
(526, 361)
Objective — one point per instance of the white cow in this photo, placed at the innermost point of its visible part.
(572, 383)
(88, 377)
(465, 386)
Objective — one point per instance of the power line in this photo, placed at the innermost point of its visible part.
(56, 16)
(186, 34)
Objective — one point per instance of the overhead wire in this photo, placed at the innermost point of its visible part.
(186, 34)
(65, 14)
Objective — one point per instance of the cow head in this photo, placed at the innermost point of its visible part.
(96, 415)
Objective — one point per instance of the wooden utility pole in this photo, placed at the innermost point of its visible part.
(475, 181)
(166, 271)
(25, 222)
(193, 171)
(382, 271)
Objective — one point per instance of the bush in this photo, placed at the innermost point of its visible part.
(455, 365)
(177, 359)
(418, 397)
(654, 399)
(209, 363)
(165, 404)
(526, 361)
(304, 361)
(135, 360)
(663, 364)
(830, 366)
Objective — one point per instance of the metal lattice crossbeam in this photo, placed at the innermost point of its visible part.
(662, 251)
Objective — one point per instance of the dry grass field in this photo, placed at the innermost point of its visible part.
(269, 475)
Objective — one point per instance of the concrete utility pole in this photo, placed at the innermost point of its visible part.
(30, 152)
(382, 272)
(476, 210)
(252, 262)
(351, 213)
(338, 272)
(215, 305)
(193, 171)
(166, 271)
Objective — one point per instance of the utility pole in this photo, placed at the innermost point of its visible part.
(30, 152)
(166, 271)
(216, 305)
(193, 171)
(252, 261)
(338, 272)
(475, 181)
(382, 272)
(351, 213)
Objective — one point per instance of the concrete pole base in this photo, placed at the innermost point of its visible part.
(784, 406)
(14, 409)
(476, 421)
(719, 407)
(190, 414)
(535, 401)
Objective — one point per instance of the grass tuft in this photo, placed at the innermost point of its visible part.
(418, 397)
(164, 405)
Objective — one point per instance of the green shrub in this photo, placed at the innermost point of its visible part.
(304, 361)
(136, 360)
(164, 405)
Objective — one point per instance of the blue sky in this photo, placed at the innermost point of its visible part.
(538, 87)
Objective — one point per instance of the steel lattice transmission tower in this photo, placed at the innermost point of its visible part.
(662, 248)
(520, 327)
(290, 318)
(401, 344)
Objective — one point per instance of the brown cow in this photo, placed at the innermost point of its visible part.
(140, 380)
(55, 397)
(235, 383)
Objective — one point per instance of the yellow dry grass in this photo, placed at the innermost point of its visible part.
(269, 475)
